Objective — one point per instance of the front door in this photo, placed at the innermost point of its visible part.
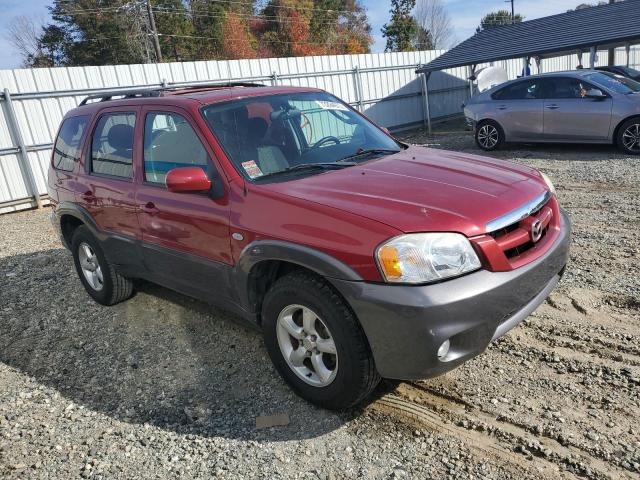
(518, 109)
(185, 236)
(570, 116)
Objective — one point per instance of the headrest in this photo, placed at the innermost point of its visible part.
(120, 137)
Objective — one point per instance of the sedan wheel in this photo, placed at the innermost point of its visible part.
(307, 345)
(631, 138)
(488, 136)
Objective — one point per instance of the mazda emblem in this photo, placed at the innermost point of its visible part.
(536, 231)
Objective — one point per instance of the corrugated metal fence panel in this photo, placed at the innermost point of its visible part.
(390, 93)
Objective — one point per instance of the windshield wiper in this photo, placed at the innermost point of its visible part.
(369, 151)
(309, 166)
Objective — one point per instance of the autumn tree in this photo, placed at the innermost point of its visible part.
(401, 30)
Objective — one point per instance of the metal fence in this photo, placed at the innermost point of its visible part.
(383, 86)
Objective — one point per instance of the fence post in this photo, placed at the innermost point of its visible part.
(357, 79)
(274, 79)
(25, 166)
(425, 99)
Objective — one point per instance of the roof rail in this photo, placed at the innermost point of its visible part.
(105, 96)
(158, 91)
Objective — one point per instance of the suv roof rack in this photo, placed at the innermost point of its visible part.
(160, 91)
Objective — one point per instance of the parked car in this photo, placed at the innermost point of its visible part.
(358, 256)
(584, 106)
(628, 72)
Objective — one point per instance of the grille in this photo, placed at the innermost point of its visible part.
(516, 239)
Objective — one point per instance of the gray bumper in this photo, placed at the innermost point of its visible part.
(405, 325)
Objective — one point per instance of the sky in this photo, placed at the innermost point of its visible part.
(465, 16)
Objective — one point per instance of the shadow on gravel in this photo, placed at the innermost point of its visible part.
(160, 358)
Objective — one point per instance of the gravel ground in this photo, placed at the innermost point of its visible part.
(163, 386)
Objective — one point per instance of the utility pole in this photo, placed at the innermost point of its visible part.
(513, 12)
(611, 60)
(154, 32)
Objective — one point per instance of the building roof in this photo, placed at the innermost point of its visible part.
(603, 26)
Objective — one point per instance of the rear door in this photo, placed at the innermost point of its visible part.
(518, 109)
(185, 236)
(570, 116)
(107, 190)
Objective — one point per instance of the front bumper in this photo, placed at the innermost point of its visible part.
(405, 325)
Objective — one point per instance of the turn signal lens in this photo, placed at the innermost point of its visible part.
(390, 262)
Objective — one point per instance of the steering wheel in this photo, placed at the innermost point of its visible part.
(324, 140)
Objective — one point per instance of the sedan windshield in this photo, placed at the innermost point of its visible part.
(617, 83)
(287, 135)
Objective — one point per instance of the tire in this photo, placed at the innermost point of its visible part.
(104, 284)
(628, 138)
(354, 375)
(489, 135)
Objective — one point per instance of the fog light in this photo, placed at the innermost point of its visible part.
(444, 349)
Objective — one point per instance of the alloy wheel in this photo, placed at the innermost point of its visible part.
(307, 345)
(90, 266)
(631, 138)
(488, 136)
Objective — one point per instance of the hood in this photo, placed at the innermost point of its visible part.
(423, 189)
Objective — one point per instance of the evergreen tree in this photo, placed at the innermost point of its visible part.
(401, 31)
(496, 19)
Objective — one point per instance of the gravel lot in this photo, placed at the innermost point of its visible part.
(163, 386)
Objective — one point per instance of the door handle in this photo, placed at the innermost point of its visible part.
(150, 208)
(502, 107)
(553, 106)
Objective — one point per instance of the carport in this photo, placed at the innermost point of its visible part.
(582, 31)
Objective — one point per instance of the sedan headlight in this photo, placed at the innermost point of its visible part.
(426, 257)
(549, 183)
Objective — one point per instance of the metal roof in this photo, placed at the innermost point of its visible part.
(604, 26)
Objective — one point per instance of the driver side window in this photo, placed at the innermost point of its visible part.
(170, 142)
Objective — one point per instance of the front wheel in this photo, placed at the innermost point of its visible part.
(629, 136)
(489, 135)
(316, 343)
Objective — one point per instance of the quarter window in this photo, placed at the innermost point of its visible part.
(170, 142)
(69, 142)
(112, 145)
(523, 90)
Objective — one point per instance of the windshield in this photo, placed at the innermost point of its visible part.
(631, 72)
(281, 135)
(616, 83)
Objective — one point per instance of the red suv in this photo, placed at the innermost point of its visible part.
(360, 257)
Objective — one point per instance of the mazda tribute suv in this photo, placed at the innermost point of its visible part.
(358, 256)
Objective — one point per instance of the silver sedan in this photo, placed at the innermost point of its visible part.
(582, 106)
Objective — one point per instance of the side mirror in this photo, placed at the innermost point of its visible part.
(187, 179)
(595, 93)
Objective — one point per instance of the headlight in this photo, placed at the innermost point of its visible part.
(426, 257)
(549, 183)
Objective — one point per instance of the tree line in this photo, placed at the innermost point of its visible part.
(110, 32)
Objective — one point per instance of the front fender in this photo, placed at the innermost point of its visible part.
(306, 257)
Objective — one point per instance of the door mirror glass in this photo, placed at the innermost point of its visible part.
(595, 93)
(187, 180)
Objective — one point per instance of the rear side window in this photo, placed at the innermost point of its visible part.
(170, 142)
(112, 145)
(66, 151)
(523, 90)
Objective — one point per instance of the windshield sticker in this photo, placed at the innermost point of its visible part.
(325, 105)
(252, 169)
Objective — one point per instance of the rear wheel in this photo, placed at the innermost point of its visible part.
(629, 136)
(100, 279)
(489, 135)
(316, 343)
